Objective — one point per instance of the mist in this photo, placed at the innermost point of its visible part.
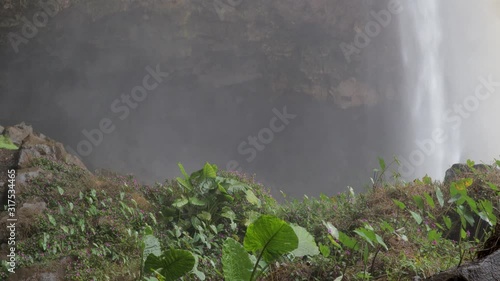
(216, 82)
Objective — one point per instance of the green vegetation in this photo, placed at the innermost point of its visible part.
(6, 143)
(217, 225)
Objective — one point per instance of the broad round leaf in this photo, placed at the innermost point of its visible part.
(270, 236)
(172, 264)
(235, 261)
(307, 245)
(151, 246)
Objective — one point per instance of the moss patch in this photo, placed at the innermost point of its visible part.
(6, 143)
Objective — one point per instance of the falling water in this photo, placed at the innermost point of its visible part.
(422, 56)
(447, 50)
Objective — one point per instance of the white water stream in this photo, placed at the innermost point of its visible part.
(449, 48)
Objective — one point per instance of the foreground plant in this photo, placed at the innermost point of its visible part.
(268, 238)
(169, 265)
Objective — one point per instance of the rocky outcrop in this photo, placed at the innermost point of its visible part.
(31, 146)
(18, 133)
(459, 170)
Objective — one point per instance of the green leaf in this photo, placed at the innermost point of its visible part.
(185, 183)
(427, 180)
(153, 218)
(433, 235)
(493, 186)
(60, 190)
(228, 213)
(465, 216)
(471, 202)
(148, 230)
(455, 198)
(172, 264)
(419, 201)
(381, 162)
(52, 220)
(386, 226)
(439, 196)
(236, 262)
(417, 217)
(179, 203)
(325, 250)
(252, 199)
(151, 246)
(429, 200)
(381, 241)
(270, 236)
(332, 230)
(183, 171)
(366, 254)
(400, 204)
(204, 215)
(447, 221)
(233, 188)
(486, 205)
(347, 241)
(197, 202)
(65, 228)
(485, 218)
(470, 163)
(307, 246)
(209, 171)
(463, 234)
(366, 234)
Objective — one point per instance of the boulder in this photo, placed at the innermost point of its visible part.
(1, 129)
(24, 175)
(33, 209)
(460, 170)
(18, 133)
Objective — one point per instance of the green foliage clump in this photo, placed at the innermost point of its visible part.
(217, 225)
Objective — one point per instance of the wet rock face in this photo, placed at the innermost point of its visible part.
(300, 37)
(352, 93)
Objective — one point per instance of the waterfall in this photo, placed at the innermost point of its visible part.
(448, 51)
(426, 98)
